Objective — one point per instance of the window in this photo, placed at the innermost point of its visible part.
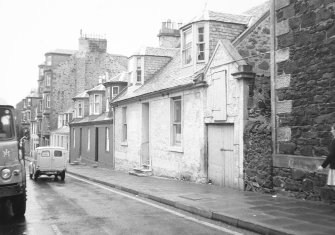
(107, 139)
(41, 105)
(139, 70)
(45, 154)
(60, 120)
(41, 71)
(96, 104)
(88, 139)
(6, 124)
(29, 102)
(48, 79)
(48, 60)
(187, 46)
(58, 153)
(108, 95)
(28, 115)
(115, 91)
(80, 109)
(201, 44)
(48, 101)
(24, 103)
(74, 138)
(124, 124)
(176, 121)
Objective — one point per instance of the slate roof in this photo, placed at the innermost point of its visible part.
(92, 118)
(62, 51)
(156, 51)
(81, 95)
(121, 77)
(208, 15)
(99, 87)
(62, 130)
(171, 76)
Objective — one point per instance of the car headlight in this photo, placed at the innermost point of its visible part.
(5, 173)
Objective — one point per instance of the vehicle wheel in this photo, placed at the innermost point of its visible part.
(35, 175)
(56, 177)
(19, 204)
(30, 176)
(62, 176)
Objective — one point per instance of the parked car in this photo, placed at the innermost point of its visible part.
(48, 161)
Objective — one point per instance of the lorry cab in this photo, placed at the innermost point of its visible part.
(48, 160)
(12, 166)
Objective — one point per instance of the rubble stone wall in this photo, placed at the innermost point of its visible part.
(305, 80)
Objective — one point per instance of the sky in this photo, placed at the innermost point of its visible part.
(31, 28)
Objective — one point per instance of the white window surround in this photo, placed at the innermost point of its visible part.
(107, 138)
(48, 100)
(138, 69)
(80, 108)
(115, 91)
(187, 41)
(96, 103)
(48, 79)
(124, 126)
(201, 45)
(176, 122)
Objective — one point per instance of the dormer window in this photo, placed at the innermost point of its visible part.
(48, 60)
(29, 102)
(96, 104)
(201, 44)
(80, 109)
(139, 70)
(187, 46)
(115, 91)
(48, 80)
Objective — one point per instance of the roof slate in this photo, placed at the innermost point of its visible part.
(81, 95)
(172, 75)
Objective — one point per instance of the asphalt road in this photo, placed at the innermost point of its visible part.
(78, 206)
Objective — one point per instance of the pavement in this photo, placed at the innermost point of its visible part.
(260, 213)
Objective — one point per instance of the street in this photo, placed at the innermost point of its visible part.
(78, 206)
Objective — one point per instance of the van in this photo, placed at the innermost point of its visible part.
(12, 164)
(48, 160)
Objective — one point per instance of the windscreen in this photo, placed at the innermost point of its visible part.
(6, 124)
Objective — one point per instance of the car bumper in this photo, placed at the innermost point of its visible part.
(11, 190)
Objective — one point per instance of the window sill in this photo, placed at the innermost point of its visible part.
(125, 144)
(178, 149)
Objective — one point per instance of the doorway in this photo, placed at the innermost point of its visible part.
(145, 156)
(96, 144)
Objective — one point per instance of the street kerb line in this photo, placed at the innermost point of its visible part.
(159, 207)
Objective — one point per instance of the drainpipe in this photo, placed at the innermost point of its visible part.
(273, 75)
(113, 141)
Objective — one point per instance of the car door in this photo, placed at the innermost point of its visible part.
(44, 160)
(58, 160)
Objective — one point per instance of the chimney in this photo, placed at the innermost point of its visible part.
(92, 43)
(169, 35)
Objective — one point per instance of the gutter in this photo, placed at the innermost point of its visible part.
(188, 86)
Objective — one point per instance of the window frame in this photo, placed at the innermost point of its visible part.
(199, 43)
(96, 103)
(80, 108)
(107, 142)
(124, 125)
(175, 122)
(47, 103)
(118, 90)
(48, 80)
(187, 46)
(74, 137)
(138, 69)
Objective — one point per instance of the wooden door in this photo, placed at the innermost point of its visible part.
(222, 165)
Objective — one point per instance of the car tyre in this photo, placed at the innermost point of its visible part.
(62, 176)
(35, 175)
(30, 176)
(19, 204)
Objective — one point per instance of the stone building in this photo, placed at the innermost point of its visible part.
(188, 115)
(303, 98)
(91, 128)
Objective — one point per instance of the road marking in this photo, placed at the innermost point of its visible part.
(56, 229)
(160, 207)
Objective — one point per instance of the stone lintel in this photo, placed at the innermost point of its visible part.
(284, 106)
(297, 161)
(284, 134)
(282, 55)
(282, 81)
(282, 28)
(279, 4)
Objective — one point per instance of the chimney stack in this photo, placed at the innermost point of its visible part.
(169, 35)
